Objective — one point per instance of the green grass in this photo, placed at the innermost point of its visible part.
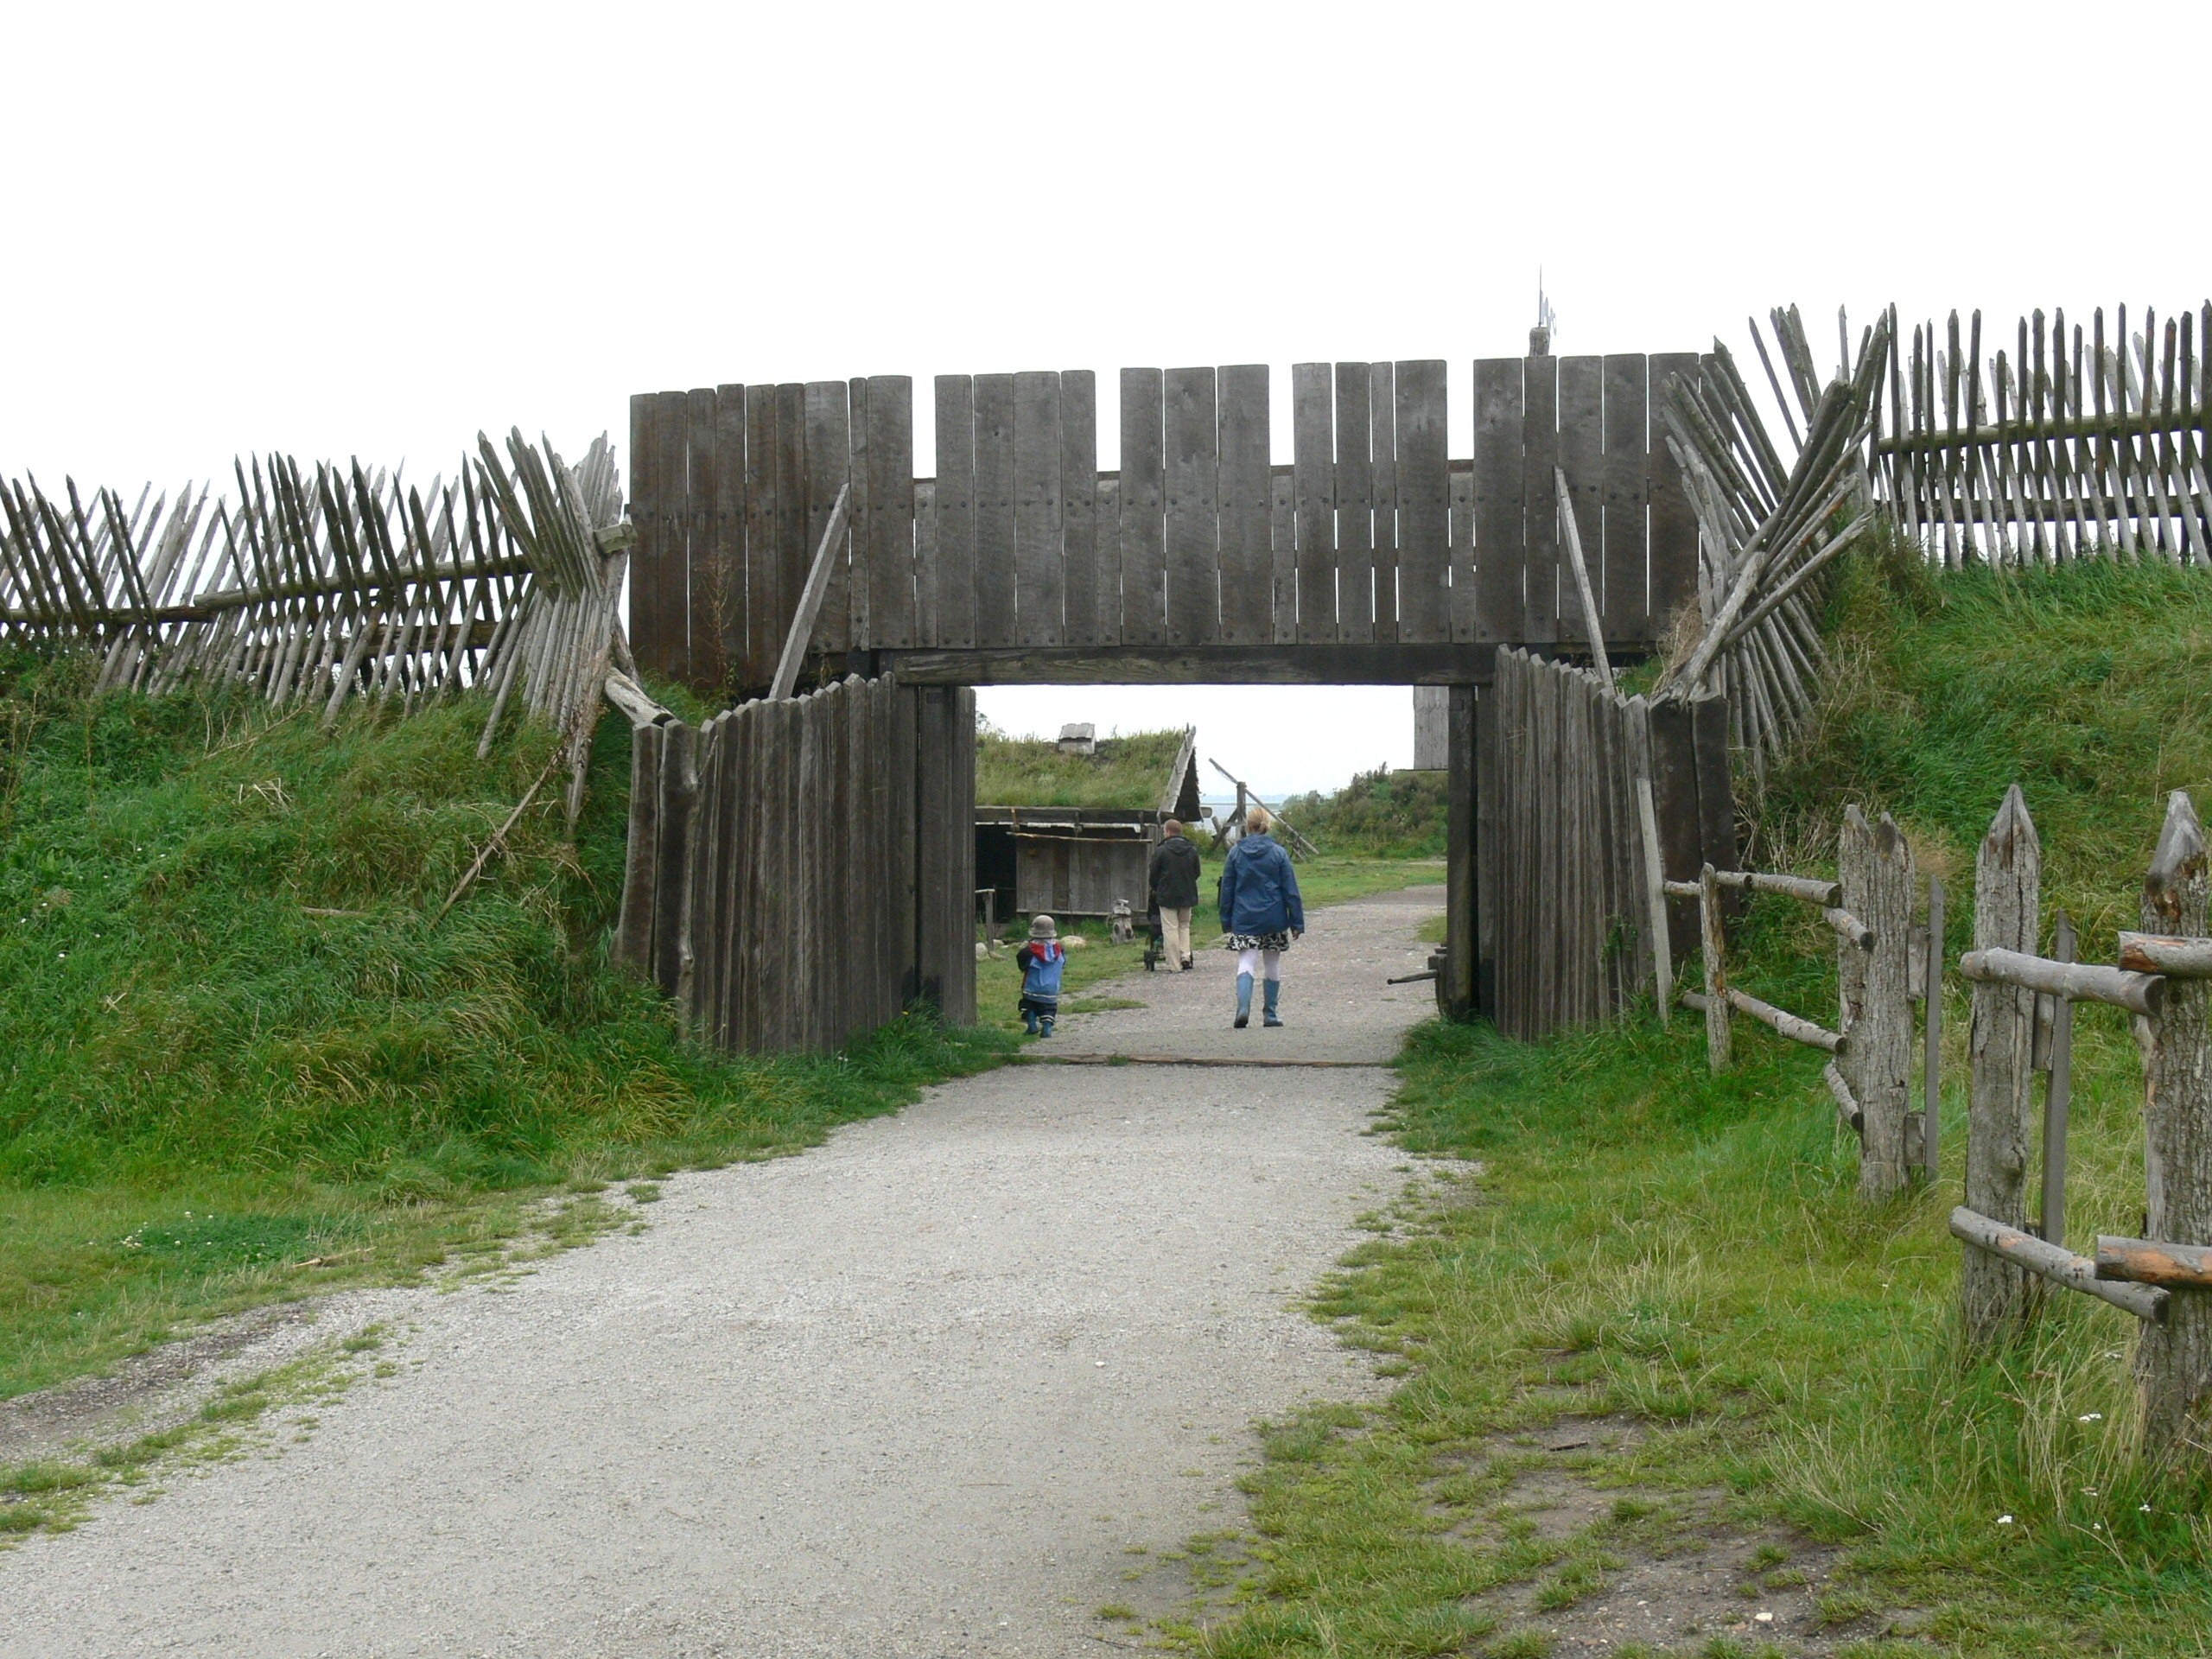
(1382, 814)
(212, 1095)
(1687, 1252)
(1128, 770)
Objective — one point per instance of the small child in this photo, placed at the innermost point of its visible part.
(1040, 962)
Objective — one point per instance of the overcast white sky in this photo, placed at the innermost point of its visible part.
(373, 229)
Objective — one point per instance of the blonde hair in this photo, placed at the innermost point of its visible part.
(1256, 821)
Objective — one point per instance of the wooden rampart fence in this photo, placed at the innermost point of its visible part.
(1369, 534)
(801, 870)
(1587, 802)
(2070, 445)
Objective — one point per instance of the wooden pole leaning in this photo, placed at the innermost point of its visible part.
(1593, 624)
(810, 599)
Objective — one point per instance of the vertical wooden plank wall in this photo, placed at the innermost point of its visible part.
(1560, 935)
(1020, 541)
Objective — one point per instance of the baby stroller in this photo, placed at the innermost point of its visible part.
(1155, 943)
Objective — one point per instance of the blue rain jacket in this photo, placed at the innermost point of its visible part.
(1258, 889)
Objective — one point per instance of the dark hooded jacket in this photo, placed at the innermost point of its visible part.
(1259, 890)
(1175, 873)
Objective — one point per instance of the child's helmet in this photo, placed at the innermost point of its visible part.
(1042, 926)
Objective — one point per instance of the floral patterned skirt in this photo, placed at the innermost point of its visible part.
(1278, 940)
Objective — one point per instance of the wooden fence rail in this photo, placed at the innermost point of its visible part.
(799, 869)
(2072, 446)
(2161, 1280)
(1368, 534)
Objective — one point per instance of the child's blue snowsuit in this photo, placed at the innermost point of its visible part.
(1041, 962)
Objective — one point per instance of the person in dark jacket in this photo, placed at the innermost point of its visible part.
(1175, 890)
(1262, 913)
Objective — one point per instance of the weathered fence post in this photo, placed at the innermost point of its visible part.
(2173, 1364)
(1994, 1292)
(1931, 1056)
(1716, 971)
(1874, 865)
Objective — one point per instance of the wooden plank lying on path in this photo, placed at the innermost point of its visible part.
(1063, 1057)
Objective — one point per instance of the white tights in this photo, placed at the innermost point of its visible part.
(1266, 964)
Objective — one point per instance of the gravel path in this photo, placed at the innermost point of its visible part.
(917, 1392)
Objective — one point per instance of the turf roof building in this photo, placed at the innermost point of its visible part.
(1070, 824)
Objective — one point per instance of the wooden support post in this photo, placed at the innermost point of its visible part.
(633, 933)
(1876, 867)
(1994, 1292)
(1461, 896)
(2057, 1095)
(2173, 1365)
(1655, 888)
(1931, 1085)
(1716, 972)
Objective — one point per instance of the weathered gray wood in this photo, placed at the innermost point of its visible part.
(1463, 896)
(1878, 892)
(1383, 482)
(1191, 532)
(1499, 559)
(1246, 506)
(1079, 507)
(1581, 467)
(1038, 560)
(855, 585)
(1141, 498)
(810, 597)
(1282, 531)
(1424, 491)
(2149, 1262)
(1587, 601)
(1355, 554)
(1795, 1028)
(1671, 555)
(661, 636)
(1109, 522)
(2082, 982)
(813, 466)
(2173, 1365)
(767, 614)
(1992, 1293)
(1467, 608)
(1846, 1103)
(994, 511)
(2151, 953)
(1716, 972)
(634, 932)
(891, 510)
(2014, 1251)
(1312, 435)
(1129, 665)
(672, 863)
(1663, 964)
(1539, 519)
(955, 508)
(726, 597)
(1625, 496)
(645, 557)
(2058, 1100)
(1931, 1053)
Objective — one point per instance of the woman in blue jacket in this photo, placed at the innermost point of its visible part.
(1262, 913)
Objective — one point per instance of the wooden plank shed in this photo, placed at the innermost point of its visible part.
(1074, 836)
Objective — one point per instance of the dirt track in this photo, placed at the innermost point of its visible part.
(916, 1393)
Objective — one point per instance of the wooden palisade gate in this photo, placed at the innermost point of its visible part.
(2162, 979)
(800, 869)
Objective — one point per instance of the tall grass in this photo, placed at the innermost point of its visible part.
(224, 989)
(1687, 1250)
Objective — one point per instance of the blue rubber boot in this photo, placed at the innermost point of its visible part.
(1029, 1020)
(1243, 1001)
(1045, 1027)
(1268, 1018)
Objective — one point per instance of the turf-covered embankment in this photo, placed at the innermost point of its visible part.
(1688, 1251)
(233, 1039)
